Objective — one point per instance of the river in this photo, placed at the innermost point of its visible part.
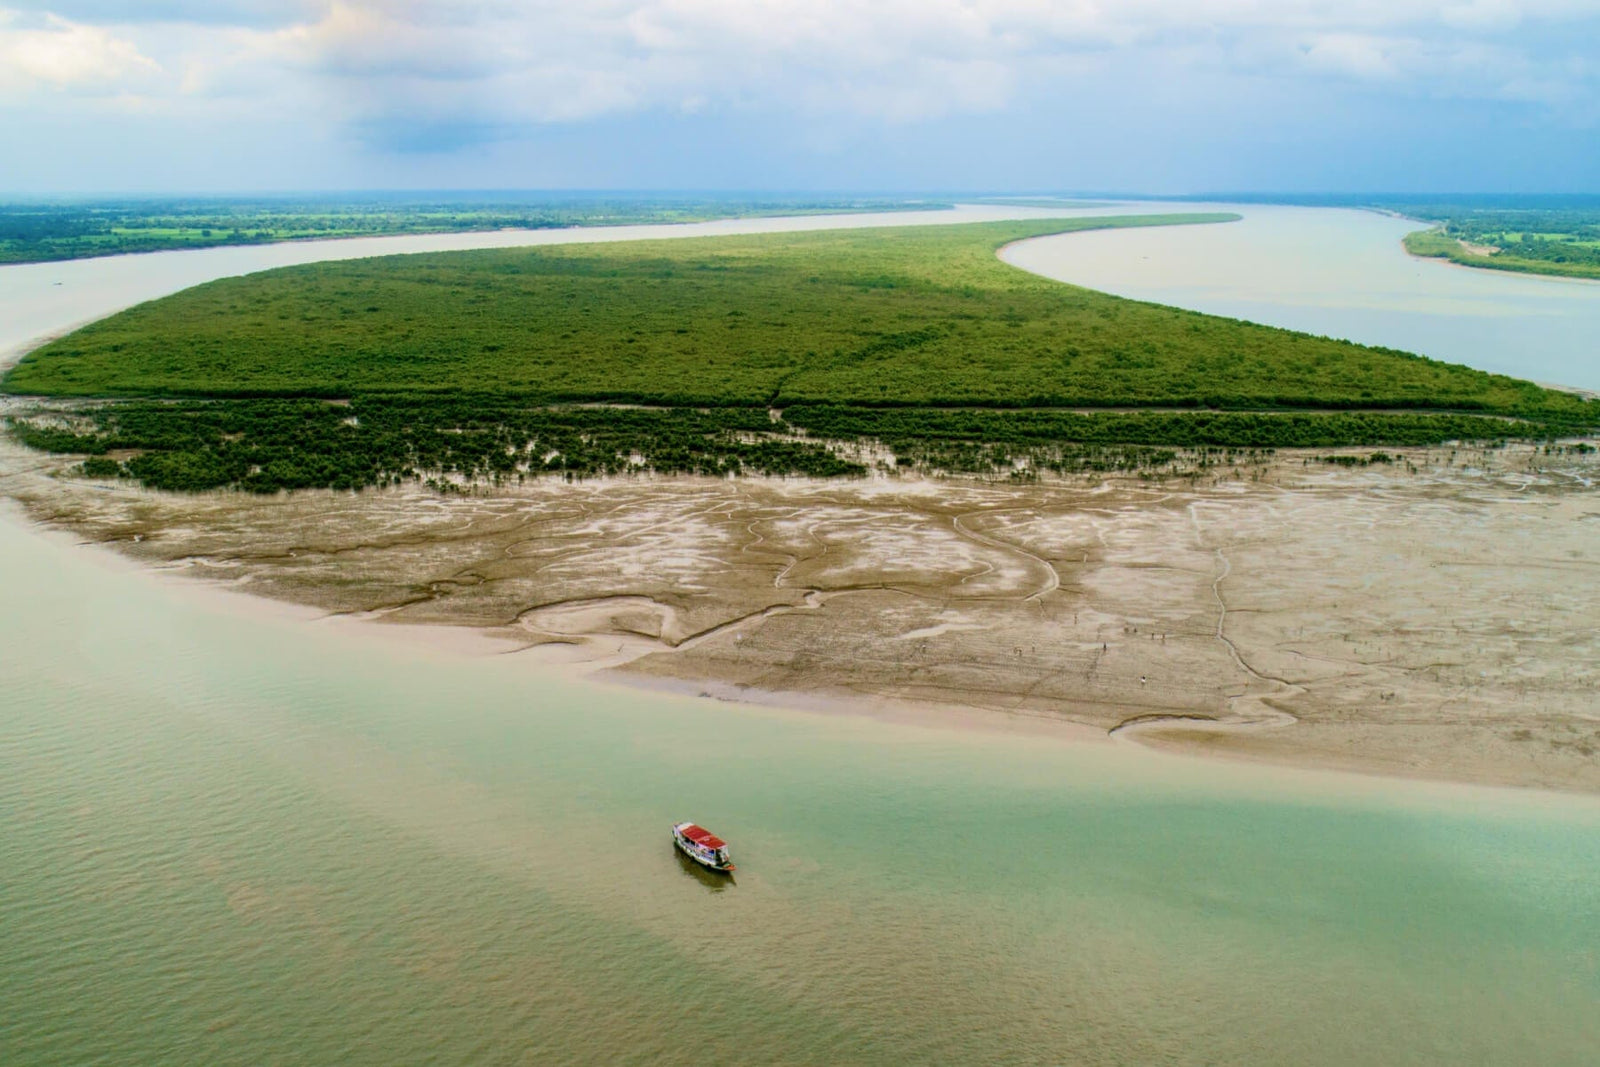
(1342, 273)
(235, 835)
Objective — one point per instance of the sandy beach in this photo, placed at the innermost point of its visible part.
(1425, 618)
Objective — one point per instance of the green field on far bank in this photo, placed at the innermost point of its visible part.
(750, 352)
(1562, 241)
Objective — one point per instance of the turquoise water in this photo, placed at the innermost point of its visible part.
(234, 839)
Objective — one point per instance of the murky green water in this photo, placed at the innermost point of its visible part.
(225, 839)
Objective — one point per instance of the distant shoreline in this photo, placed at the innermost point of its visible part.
(246, 233)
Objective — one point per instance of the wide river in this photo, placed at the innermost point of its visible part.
(1342, 274)
(232, 835)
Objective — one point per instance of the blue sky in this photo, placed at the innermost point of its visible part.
(1152, 96)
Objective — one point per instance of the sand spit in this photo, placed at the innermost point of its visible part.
(1433, 617)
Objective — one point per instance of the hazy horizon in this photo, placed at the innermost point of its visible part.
(512, 195)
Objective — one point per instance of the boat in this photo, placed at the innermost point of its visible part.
(702, 846)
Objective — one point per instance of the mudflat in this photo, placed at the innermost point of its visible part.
(1430, 617)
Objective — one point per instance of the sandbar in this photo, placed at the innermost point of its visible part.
(1431, 617)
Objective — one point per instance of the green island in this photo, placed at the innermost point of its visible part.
(1561, 241)
(818, 353)
(45, 230)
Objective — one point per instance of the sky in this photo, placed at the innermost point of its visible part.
(1136, 96)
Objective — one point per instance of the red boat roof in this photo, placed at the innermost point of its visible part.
(701, 836)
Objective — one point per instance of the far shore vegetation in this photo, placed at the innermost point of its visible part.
(823, 353)
(1574, 254)
(44, 230)
(1558, 239)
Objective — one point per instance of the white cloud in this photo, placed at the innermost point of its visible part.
(894, 59)
(1487, 15)
(494, 65)
(53, 53)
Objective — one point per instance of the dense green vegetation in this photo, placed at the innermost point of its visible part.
(908, 431)
(50, 229)
(799, 353)
(1562, 240)
(913, 316)
(267, 445)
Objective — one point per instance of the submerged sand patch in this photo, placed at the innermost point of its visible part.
(1433, 617)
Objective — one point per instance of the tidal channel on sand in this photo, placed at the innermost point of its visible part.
(233, 834)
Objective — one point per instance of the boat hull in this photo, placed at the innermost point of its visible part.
(708, 864)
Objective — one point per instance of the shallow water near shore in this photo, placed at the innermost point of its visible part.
(235, 838)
